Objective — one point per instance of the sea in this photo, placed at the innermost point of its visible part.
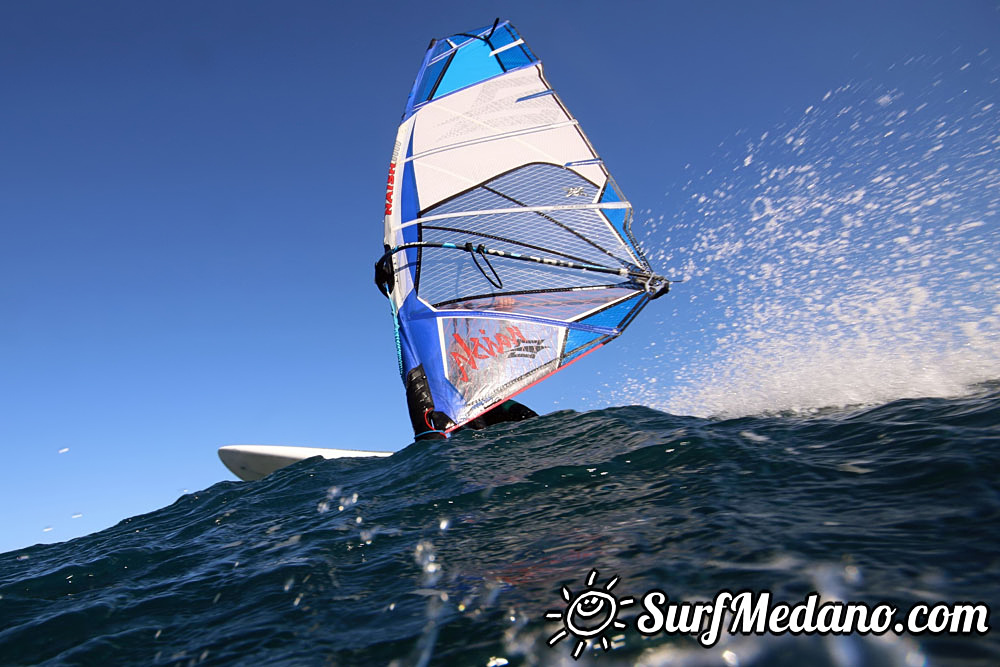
(814, 414)
(458, 552)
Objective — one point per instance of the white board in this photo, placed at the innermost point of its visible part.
(250, 462)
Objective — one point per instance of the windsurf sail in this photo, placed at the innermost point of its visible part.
(508, 253)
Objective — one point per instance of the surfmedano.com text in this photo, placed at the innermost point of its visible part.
(755, 613)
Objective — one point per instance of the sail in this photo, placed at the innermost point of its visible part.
(508, 251)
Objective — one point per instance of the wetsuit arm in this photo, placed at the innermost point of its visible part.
(384, 278)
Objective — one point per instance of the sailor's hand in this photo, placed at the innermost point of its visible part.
(503, 303)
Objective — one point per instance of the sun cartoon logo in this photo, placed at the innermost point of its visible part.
(588, 614)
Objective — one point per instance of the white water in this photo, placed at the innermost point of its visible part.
(850, 258)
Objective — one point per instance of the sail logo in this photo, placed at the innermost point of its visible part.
(591, 614)
(510, 343)
(388, 188)
(528, 349)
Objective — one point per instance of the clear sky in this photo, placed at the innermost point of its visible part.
(191, 194)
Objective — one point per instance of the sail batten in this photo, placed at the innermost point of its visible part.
(520, 209)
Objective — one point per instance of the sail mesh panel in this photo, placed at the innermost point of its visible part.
(448, 275)
(580, 235)
(555, 305)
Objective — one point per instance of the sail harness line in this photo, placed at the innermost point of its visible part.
(655, 286)
(480, 250)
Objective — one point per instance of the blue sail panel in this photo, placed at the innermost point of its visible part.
(461, 61)
(471, 64)
(577, 341)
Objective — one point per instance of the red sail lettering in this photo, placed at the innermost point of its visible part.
(477, 347)
(388, 188)
(464, 357)
(468, 352)
(502, 344)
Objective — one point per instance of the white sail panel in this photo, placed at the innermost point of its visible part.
(477, 133)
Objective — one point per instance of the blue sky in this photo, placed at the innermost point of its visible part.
(190, 206)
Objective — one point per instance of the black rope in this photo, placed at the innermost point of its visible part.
(481, 250)
(485, 39)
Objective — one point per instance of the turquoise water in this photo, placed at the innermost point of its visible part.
(453, 552)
